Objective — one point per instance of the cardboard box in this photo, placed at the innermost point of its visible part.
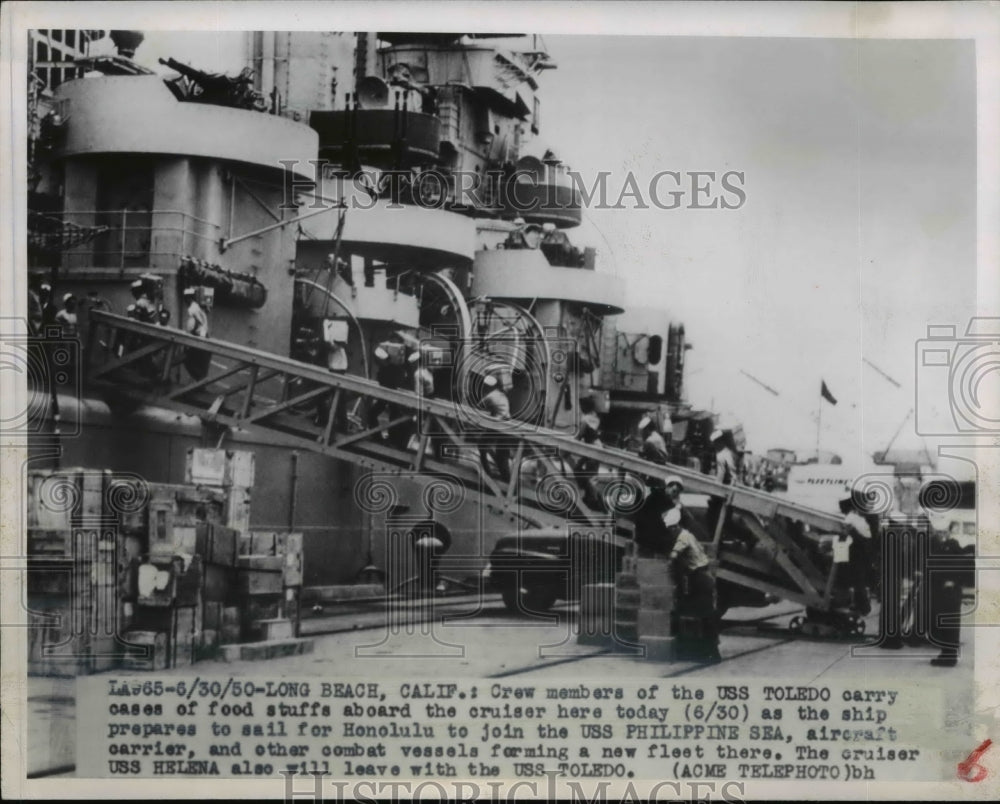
(597, 621)
(183, 587)
(263, 543)
(211, 615)
(183, 637)
(240, 469)
(656, 597)
(653, 623)
(54, 543)
(147, 650)
(653, 572)
(205, 466)
(257, 582)
(237, 511)
(270, 629)
(219, 467)
(230, 631)
(292, 569)
(659, 649)
(218, 544)
(293, 559)
(161, 526)
(265, 563)
(219, 584)
(48, 510)
(107, 652)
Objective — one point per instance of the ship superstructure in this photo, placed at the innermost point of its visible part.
(374, 245)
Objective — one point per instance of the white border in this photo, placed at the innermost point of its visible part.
(979, 21)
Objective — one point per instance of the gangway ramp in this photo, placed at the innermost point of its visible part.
(314, 409)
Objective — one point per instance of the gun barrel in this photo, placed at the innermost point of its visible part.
(184, 69)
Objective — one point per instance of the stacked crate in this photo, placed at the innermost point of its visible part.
(597, 614)
(219, 547)
(627, 602)
(656, 604)
(162, 579)
(75, 550)
(188, 540)
(231, 474)
(270, 583)
(644, 603)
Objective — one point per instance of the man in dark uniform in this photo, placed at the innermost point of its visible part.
(497, 405)
(919, 593)
(390, 372)
(947, 568)
(856, 528)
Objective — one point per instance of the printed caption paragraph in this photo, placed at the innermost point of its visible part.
(241, 727)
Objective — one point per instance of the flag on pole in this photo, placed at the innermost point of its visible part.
(825, 393)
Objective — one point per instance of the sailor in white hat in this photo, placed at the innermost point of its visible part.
(689, 557)
(66, 317)
(653, 448)
(144, 310)
(497, 405)
(674, 486)
(197, 320)
(859, 533)
(725, 461)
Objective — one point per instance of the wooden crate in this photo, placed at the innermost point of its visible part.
(240, 469)
(263, 563)
(183, 636)
(259, 582)
(231, 625)
(596, 623)
(46, 506)
(218, 544)
(211, 615)
(219, 467)
(147, 650)
(293, 559)
(237, 510)
(219, 583)
(263, 543)
(205, 466)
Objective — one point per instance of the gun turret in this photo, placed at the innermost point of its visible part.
(207, 81)
(214, 88)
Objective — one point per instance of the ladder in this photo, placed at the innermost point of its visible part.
(312, 408)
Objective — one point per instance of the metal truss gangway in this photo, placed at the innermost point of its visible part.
(311, 408)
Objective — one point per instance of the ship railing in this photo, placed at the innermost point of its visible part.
(128, 237)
